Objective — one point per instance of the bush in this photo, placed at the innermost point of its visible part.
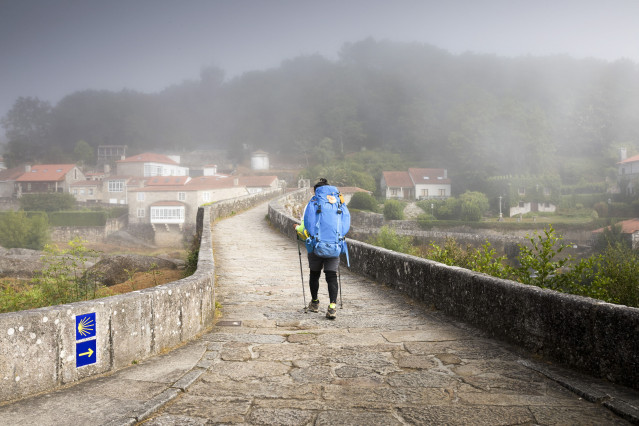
(48, 202)
(363, 201)
(21, 230)
(388, 239)
(470, 213)
(78, 218)
(393, 210)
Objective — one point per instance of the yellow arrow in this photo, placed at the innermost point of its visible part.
(89, 353)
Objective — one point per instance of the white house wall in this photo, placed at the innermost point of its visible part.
(192, 200)
(629, 168)
(433, 190)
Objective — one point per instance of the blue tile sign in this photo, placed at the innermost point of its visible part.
(85, 353)
(85, 326)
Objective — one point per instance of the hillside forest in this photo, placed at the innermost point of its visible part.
(476, 115)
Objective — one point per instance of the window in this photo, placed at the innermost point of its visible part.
(546, 191)
(140, 212)
(140, 196)
(181, 196)
(424, 192)
(75, 192)
(206, 196)
(393, 192)
(522, 191)
(521, 204)
(167, 214)
(90, 191)
(152, 170)
(82, 191)
(442, 192)
(116, 186)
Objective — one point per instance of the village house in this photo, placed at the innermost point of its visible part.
(48, 178)
(348, 192)
(8, 179)
(150, 164)
(416, 184)
(174, 200)
(628, 174)
(629, 231)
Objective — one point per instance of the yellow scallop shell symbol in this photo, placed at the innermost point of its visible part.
(85, 326)
(331, 199)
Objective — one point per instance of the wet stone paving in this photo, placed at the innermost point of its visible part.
(385, 360)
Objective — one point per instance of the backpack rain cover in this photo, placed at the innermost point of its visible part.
(327, 221)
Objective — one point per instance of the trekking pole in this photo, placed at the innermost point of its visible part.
(302, 274)
(339, 281)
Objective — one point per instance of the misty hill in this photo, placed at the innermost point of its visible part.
(476, 115)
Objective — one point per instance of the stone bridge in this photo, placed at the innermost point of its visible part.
(386, 359)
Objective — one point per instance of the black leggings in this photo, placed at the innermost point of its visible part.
(331, 280)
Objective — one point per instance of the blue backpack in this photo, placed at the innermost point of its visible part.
(327, 221)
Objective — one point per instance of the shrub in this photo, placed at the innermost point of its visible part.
(393, 210)
(470, 213)
(19, 229)
(48, 202)
(363, 201)
(58, 283)
(539, 263)
(389, 239)
(78, 218)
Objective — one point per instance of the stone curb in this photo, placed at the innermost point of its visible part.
(591, 393)
(156, 403)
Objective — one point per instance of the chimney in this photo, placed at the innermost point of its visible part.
(236, 181)
(622, 154)
(27, 168)
(107, 169)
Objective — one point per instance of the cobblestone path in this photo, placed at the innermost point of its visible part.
(385, 360)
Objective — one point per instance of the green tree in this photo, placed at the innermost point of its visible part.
(393, 210)
(363, 201)
(28, 128)
(473, 205)
(17, 230)
(83, 153)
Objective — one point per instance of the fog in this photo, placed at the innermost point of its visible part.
(49, 49)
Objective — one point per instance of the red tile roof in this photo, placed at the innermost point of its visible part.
(11, 174)
(629, 226)
(167, 180)
(351, 189)
(630, 160)
(148, 157)
(46, 173)
(201, 183)
(256, 181)
(428, 176)
(398, 179)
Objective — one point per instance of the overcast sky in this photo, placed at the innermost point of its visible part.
(51, 48)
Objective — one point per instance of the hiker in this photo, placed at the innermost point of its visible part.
(324, 224)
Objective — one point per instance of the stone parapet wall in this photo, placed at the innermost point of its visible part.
(231, 206)
(38, 346)
(592, 336)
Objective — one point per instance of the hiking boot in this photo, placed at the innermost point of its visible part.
(331, 312)
(313, 306)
